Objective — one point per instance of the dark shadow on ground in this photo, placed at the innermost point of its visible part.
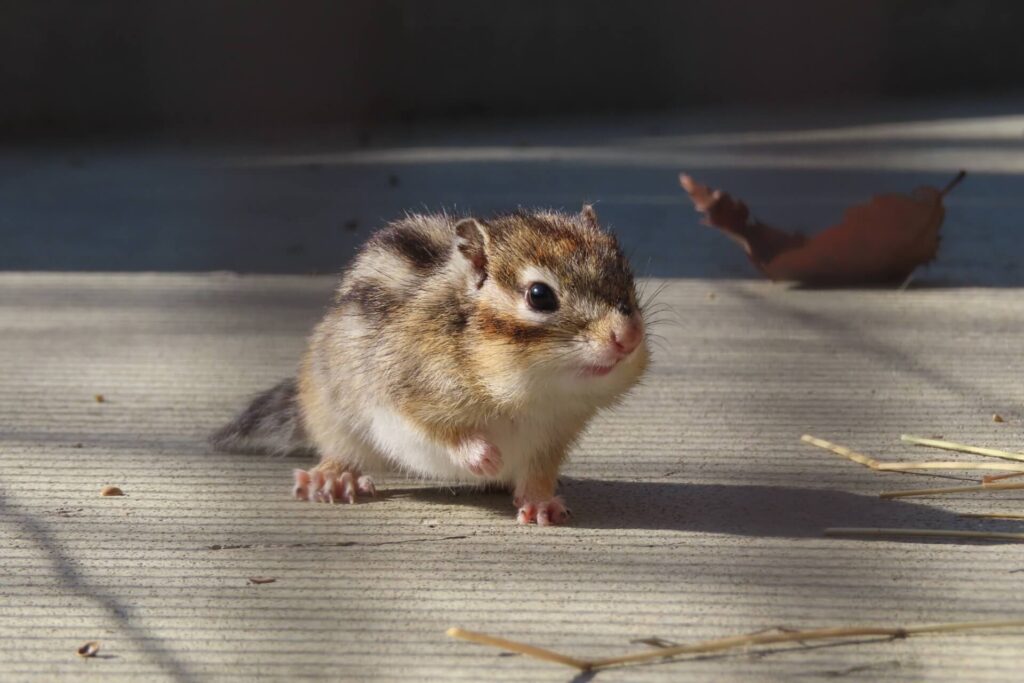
(34, 530)
(740, 510)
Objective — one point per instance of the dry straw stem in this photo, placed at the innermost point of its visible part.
(991, 515)
(950, 465)
(951, 446)
(879, 466)
(998, 477)
(731, 643)
(952, 489)
(860, 458)
(521, 648)
(934, 533)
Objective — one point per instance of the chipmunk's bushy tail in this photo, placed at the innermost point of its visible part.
(270, 424)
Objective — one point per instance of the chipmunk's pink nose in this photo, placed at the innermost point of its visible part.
(627, 337)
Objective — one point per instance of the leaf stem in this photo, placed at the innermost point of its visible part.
(953, 183)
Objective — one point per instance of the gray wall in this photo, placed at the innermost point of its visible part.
(79, 66)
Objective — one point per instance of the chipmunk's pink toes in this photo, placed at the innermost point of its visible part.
(342, 487)
(331, 483)
(544, 513)
(364, 484)
(527, 513)
(302, 481)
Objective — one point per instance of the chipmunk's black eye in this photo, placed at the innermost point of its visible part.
(541, 297)
(624, 308)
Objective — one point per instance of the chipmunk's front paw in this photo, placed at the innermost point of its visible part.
(481, 457)
(330, 482)
(543, 512)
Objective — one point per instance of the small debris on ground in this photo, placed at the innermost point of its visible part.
(89, 649)
(653, 642)
(998, 418)
(100, 398)
(111, 491)
(260, 579)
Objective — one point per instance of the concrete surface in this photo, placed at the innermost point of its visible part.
(698, 514)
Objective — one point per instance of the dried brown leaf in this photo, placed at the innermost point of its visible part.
(881, 241)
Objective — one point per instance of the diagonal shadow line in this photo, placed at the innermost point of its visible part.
(71, 579)
(854, 340)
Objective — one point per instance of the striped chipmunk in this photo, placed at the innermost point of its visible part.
(470, 351)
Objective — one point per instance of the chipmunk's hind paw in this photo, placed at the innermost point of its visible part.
(330, 482)
(544, 513)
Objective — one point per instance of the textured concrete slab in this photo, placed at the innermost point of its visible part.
(698, 513)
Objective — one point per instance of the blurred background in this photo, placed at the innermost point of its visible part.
(261, 136)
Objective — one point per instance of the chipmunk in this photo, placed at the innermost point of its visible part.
(470, 350)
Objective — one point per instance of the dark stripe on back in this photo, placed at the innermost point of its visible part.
(375, 300)
(421, 251)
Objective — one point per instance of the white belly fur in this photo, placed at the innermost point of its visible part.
(408, 449)
(403, 444)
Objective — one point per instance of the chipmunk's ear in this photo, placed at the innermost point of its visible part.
(589, 217)
(473, 244)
